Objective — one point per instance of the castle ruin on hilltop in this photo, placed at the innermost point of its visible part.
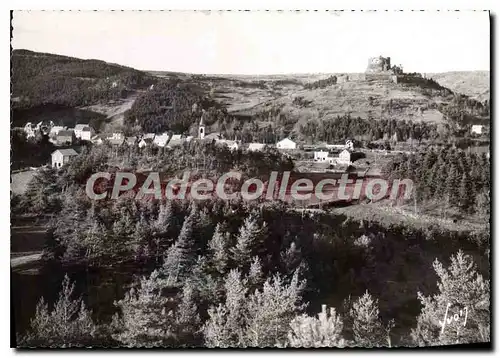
(379, 69)
(379, 65)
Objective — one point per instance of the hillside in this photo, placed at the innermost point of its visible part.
(45, 85)
(69, 90)
(475, 84)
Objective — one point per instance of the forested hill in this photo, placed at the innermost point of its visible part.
(41, 78)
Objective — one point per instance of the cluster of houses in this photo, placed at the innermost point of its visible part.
(345, 157)
(66, 137)
(63, 136)
(60, 135)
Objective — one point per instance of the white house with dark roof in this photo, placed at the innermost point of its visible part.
(62, 156)
(78, 130)
(321, 156)
(84, 132)
(344, 157)
(286, 143)
(87, 133)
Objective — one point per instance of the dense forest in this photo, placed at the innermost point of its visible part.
(39, 79)
(242, 274)
(457, 178)
(172, 106)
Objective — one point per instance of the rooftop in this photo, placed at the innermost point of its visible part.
(69, 151)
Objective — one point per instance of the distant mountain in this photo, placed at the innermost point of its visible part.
(475, 84)
(41, 79)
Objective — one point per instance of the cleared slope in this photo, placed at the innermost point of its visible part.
(369, 100)
(475, 84)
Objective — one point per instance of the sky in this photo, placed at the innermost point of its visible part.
(261, 42)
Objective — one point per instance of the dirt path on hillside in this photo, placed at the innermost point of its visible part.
(115, 112)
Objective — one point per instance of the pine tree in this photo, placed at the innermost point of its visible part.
(291, 260)
(466, 194)
(367, 326)
(312, 332)
(217, 248)
(452, 183)
(270, 311)
(94, 241)
(187, 319)
(441, 179)
(189, 224)
(224, 328)
(255, 276)
(462, 292)
(69, 324)
(426, 174)
(141, 246)
(162, 228)
(42, 191)
(249, 241)
(123, 230)
(147, 319)
(205, 285)
(483, 204)
(181, 255)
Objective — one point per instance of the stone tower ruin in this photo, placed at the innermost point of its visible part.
(379, 64)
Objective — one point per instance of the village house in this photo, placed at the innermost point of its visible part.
(87, 133)
(65, 137)
(321, 156)
(231, 144)
(84, 132)
(347, 157)
(131, 141)
(256, 147)
(78, 130)
(62, 156)
(161, 140)
(116, 138)
(54, 131)
(344, 157)
(286, 144)
(145, 142)
(477, 129)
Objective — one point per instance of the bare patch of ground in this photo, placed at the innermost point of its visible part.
(20, 181)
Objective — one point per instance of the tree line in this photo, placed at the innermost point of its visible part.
(342, 127)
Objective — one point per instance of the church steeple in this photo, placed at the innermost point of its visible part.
(201, 127)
